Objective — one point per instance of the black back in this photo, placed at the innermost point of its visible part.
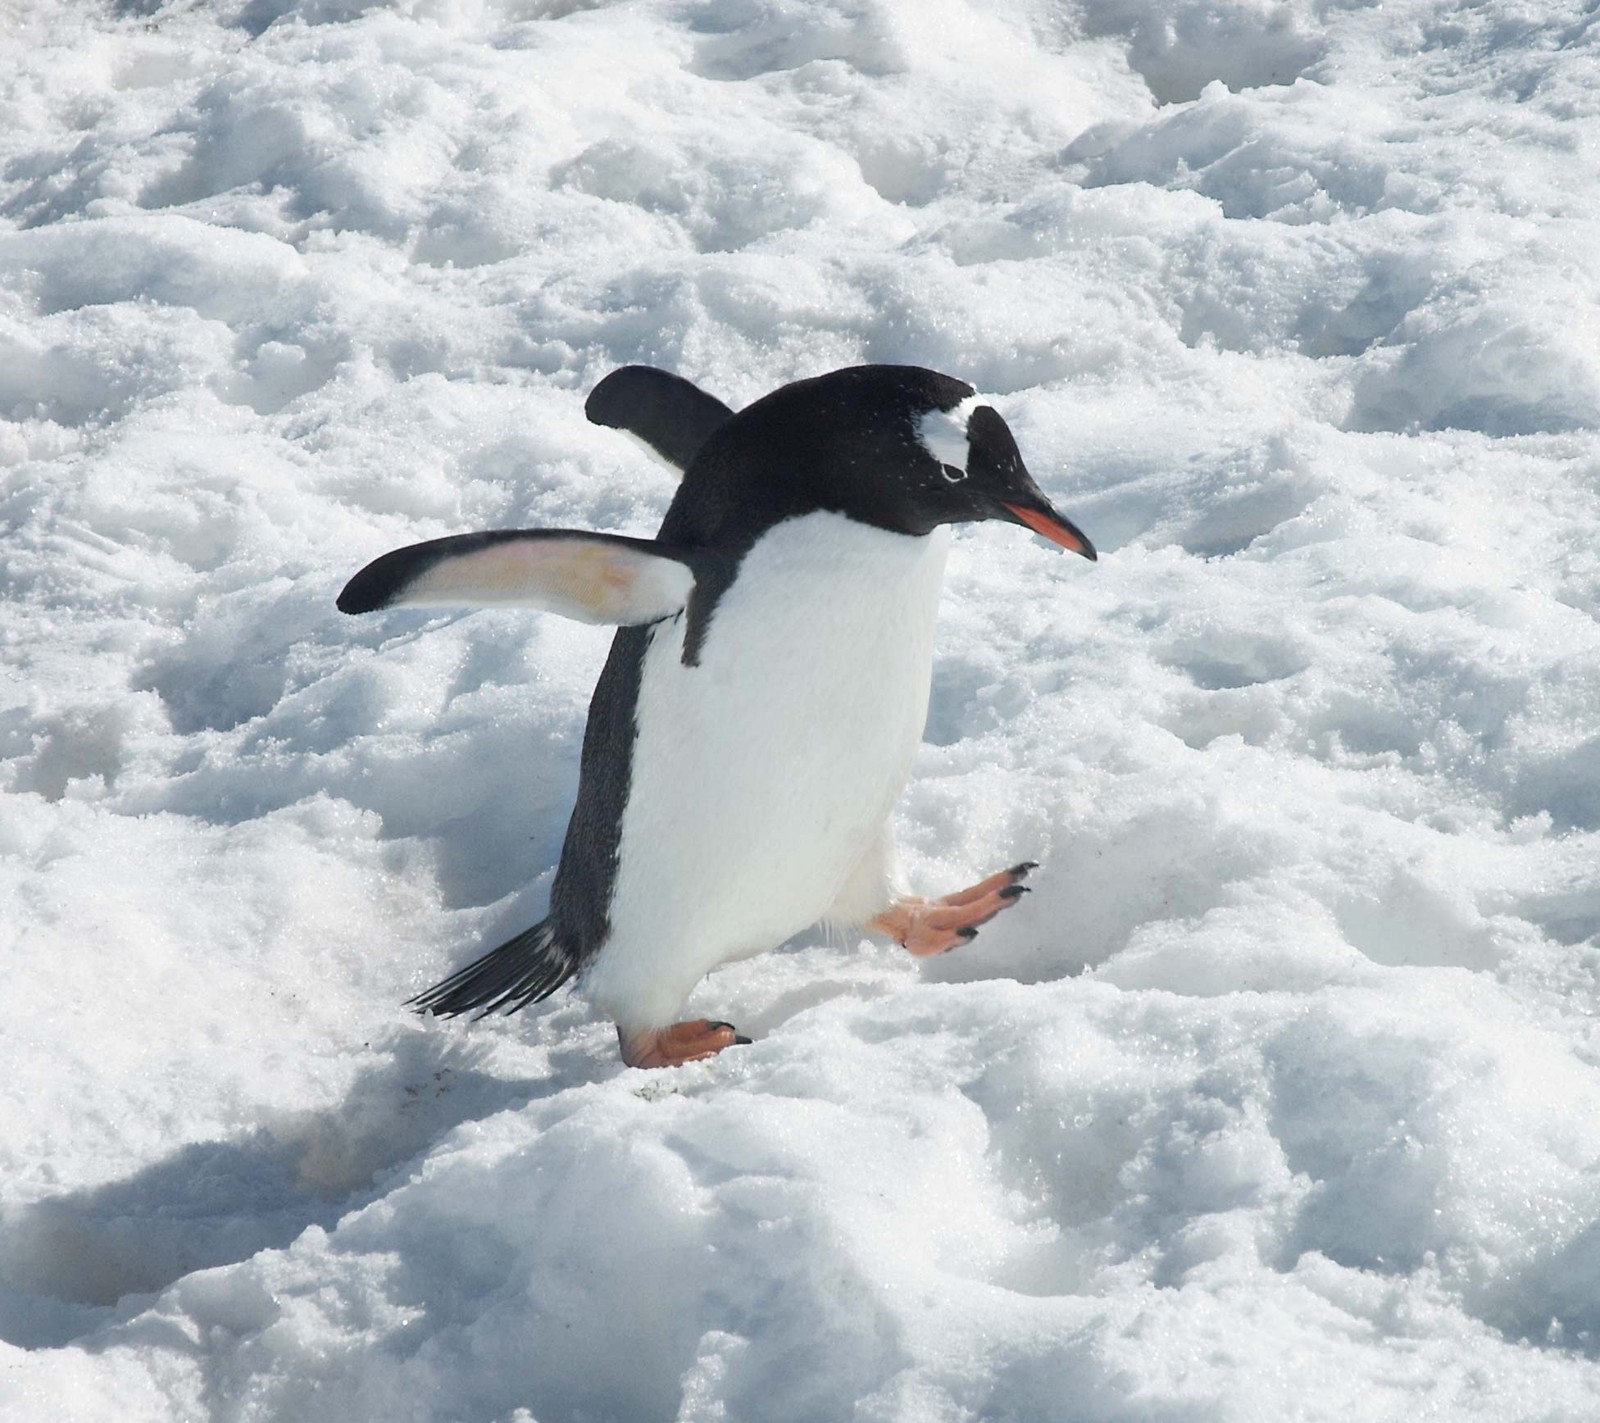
(580, 896)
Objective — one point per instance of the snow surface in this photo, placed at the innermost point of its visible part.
(1280, 1096)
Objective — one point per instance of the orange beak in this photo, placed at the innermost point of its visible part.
(1049, 524)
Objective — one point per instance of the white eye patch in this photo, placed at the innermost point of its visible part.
(943, 434)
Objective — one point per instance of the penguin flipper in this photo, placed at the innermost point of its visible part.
(521, 971)
(595, 578)
(671, 415)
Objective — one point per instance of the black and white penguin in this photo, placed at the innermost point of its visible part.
(765, 694)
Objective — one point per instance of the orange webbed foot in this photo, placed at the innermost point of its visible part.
(673, 1046)
(935, 926)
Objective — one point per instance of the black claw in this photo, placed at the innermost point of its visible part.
(740, 1040)
(722, 1025)
(969, 933)
(1021, 871)
(1015, 891)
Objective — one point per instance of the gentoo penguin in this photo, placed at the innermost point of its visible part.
(765, 693)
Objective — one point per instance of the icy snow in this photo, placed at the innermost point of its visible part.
(1278, 1098)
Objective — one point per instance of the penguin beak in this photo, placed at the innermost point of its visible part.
(1047, 523)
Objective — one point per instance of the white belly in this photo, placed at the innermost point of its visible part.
(762, 775)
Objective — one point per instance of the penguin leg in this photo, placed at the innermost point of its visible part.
(874, 882)
(675, 1045)
(935, 926)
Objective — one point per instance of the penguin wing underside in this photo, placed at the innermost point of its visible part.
(595, 578)
(671, 415)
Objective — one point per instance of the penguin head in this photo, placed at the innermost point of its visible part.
(897, 447)
(981, 474)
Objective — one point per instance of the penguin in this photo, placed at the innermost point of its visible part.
(766, 689)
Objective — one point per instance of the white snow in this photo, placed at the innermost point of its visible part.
(1278, 1098)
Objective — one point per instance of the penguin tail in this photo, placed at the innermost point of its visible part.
(521, 971)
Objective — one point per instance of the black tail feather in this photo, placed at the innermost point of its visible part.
(521, 971)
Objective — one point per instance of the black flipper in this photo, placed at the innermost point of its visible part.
(671, 415)
(521, 971)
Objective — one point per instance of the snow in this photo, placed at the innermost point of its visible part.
(1279, 1097)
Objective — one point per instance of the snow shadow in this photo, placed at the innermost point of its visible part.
(1179, 48)
(65, 1260)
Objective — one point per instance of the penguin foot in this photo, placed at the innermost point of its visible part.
(678, 1044)
(935, 926)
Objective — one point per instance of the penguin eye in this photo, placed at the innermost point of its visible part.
(952, 474)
